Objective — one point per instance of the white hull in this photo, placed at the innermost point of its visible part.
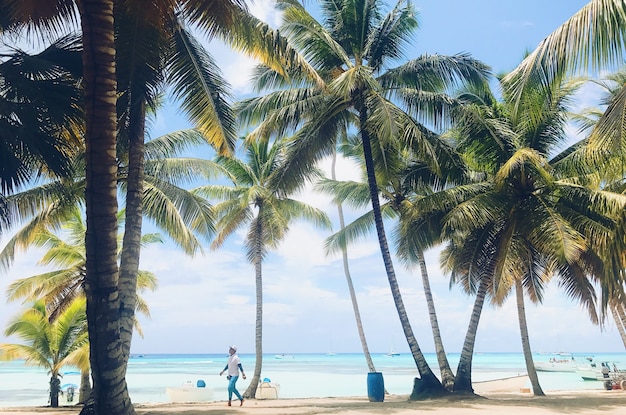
(189, 394)
(590, 373)
(563, 365)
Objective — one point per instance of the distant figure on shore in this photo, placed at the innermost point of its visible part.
(605, 370)
(233, 366)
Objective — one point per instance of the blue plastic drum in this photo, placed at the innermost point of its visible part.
(375, 387)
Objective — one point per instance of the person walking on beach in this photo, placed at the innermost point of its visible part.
(233, 366)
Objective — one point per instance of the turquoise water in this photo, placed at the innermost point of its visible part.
(299, 375)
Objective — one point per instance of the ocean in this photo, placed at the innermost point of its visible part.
(299, 375)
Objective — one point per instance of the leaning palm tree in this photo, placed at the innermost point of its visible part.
(268, 212)
(401, 179)
(46, 343)
(351, 54)
(348, 275)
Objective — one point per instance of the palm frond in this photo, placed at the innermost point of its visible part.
(203, 92)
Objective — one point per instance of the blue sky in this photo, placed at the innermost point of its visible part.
(207, 302)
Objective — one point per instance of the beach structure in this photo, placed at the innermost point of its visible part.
(267, 390)
(190, 392)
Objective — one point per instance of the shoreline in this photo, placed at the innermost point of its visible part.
(514, 403)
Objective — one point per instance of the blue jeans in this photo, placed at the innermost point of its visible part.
(232, 389)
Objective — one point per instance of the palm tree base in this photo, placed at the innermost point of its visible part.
(424, 388)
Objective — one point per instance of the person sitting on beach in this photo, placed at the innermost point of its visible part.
(233, 366)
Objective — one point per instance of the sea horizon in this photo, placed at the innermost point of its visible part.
(300, 375)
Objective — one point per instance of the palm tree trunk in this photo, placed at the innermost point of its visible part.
(523, 327)
(447, 377)
(55, 388)
(346, 271)
(131, 247)
(427, 385)
(619, 316)
(463, 379)
(110, 391)
(84, 392)
(258, 259)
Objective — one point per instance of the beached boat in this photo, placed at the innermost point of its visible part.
(190, 392)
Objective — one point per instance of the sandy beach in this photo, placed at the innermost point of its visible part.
(512, 403)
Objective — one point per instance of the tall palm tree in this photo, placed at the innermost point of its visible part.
(351, 54)
(586, 42)
(346, 271)
(401, 179)
(48, 344)
(226, 18)
(528, 219)
(267, 211)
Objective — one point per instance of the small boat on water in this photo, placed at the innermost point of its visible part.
(190, 392)
(392, 352)
(606, 370)
(283, 356)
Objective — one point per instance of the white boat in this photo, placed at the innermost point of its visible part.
(392, 352)
(190, 392)
(283, 356)
(595, 372)
(563, 362)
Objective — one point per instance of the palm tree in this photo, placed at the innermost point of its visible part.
(266, 210)
(351, 55)
(585, 41)
(59, 288)
(401, 179)
(528, 219)
(48, 344)
(41, 114)
(346, 271)
(228, 19)
(182, 216)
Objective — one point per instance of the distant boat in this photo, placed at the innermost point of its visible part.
(283, 356)
(392, 352)
(190, 392)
